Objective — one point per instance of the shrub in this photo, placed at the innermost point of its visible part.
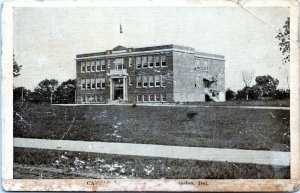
(191, 114)
(134, 105)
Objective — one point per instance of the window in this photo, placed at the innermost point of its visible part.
(157, 61)
(163, 80)
(138, 81)
(151, 97)
(88, 83)
(97, 66)
(119, 63)
(130, 80)
(93, 67)
(83, 99)
(83, 67)
(157, 97)
(88, 67)
(151, 81)
(102, 65)
(102, 83)
(145, 98)
(98, 84)
(138, 62)
(98, 98)
(93, 83)
(205, 64)
(109, 61)
(163, 97)
(163, 61)
(157, 80)
(129, 61)
(83, 84)
(139, 98)
(145, 81)
(144, 60)
(88, 98)
(150, 62)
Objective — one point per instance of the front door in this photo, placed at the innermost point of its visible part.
(118, 89)
(118, 93)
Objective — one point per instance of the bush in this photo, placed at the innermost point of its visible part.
(282, 94)
(191, 114)
(134, 105)
(230, 94)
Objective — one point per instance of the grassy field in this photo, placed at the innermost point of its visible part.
(47, 164)
(218, 127)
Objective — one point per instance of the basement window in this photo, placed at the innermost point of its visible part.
(157, 97)
(164, 97)
(151, 97)
(145, 98)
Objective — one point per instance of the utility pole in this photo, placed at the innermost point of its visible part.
(51, 96)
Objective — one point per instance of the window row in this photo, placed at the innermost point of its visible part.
(92, 98)
(93, 66)
(92, 83)
(152, 97)
(151, 61)
(140, 61)
(151, 81)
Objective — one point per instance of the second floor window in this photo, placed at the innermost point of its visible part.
(98, 65)
(102, 83)
(93, 83)
(145, 81)
(163, 80)
(93, 67)
(163, 61)
(88, 66)
(151, 81)
(83, 67)
(98, 84)
(88, 83)
(150, 62)
(144, 61)
(102, 65)
(138, 62)
(157, 80)
(138, 81)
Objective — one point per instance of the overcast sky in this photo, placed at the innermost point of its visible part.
(46, 40)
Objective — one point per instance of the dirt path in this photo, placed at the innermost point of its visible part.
(163, 151)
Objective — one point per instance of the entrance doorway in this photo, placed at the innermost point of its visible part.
(118, 93)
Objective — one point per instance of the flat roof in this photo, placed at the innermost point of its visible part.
(121, 50)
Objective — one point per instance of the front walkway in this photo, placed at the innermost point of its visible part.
(175, 105)
(163, 151)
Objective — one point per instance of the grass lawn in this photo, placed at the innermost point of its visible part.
(218, 127)
(47, 164)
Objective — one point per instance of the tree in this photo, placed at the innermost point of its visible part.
(21, 94)
(16, 68)
(46, 89)
(65, 92)
(284, 41)
(247, 79)
(230, 94)
(266, 85)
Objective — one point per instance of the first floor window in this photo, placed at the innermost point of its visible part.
(157, 97)
(83, 99)
(93, 83)
(83, 84)
(145, 98)
(88, 83)
(151, 97)
(98, 84)
(138, 81)
(151, 81)
(145, 81)
(102, 83)
(139, 98)
(82, 66)
(163, 80)
(157, 80)
(164, 97)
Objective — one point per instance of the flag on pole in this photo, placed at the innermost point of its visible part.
(121, 31)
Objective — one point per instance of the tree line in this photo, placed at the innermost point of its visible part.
(265, 88)
(49, 91)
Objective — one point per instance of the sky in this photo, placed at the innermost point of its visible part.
(46, 40)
